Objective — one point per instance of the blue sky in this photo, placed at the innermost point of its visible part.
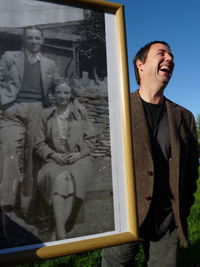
(178, 23)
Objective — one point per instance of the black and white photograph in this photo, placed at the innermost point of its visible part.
(63, 174)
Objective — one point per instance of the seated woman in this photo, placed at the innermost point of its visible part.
(64, 140)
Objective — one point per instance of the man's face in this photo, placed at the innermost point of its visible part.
(33, 40)
(159, 65)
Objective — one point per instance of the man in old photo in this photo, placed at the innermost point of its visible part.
(166, 163)
(29, 77)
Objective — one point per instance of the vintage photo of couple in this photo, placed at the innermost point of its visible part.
(55, 176)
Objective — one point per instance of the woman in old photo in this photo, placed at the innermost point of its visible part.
(64, 140)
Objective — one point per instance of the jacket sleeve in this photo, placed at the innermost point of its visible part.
(42, 147)
(7, 61)
(192, 170)
(12, 85)
(52, 75)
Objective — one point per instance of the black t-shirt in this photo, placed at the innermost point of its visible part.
(154, 114)
(160, 214)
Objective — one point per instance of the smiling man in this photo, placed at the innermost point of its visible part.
(29, 77)
(166, 163)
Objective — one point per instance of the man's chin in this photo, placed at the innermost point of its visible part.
(166, 80)
(164, 83)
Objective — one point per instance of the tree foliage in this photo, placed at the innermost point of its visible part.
(198, 131)
(91, 46)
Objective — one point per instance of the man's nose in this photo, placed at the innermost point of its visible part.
(169, 57)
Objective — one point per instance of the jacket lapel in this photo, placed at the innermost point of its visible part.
(19, 61)
(141, 136)
(74, 134)
(53, 131)
(44, 68)
(174, 119)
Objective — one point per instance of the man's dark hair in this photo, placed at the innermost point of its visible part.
(142, 55)
(31, 28)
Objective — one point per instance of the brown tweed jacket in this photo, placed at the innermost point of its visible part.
(183, 165)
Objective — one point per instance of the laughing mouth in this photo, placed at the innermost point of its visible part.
(166, 69)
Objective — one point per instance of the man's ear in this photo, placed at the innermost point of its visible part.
(139, 65)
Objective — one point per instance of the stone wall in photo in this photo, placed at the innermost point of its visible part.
(94, 98)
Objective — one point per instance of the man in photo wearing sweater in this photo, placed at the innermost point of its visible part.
(29, 78)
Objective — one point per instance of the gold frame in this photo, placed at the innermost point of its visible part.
(131, 234)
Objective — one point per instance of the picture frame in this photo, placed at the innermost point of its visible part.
(107, 216)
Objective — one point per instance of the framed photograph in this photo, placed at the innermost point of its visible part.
(67, 176)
